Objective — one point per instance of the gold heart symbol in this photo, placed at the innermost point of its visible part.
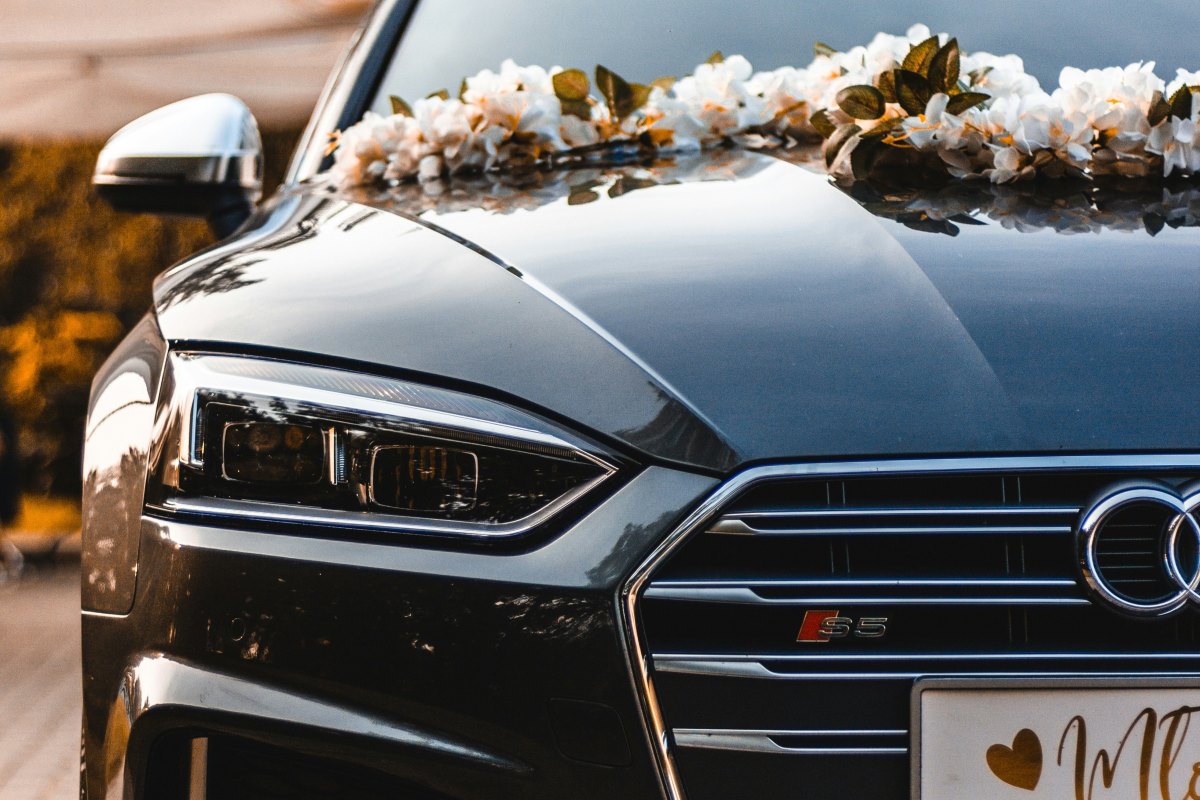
(1019, 765)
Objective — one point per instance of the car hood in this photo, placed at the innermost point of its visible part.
(736, 308)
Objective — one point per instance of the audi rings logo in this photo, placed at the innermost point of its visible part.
(1140, 549)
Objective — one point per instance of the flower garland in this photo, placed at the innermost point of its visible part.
(912, 102)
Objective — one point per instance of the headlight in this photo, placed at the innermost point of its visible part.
(268, 440)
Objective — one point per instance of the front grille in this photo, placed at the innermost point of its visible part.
(973, 563)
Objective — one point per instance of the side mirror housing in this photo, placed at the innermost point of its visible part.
(199, 157)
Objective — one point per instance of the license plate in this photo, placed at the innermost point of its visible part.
(1056, 740)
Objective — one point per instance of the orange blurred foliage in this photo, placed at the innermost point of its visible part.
(74, 277)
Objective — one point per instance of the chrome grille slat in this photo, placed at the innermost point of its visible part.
(910, 512)
(724, 594)
(738, 527)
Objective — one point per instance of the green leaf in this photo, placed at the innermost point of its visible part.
(1181, 102)
(822, 49)
(944, 67)
(400, 107)
(912, 91)
(666, 82)
(921, 55)
(641, 93)
(862, 102)
(627, 183)
(966, 101)
(442, 93)
(824, 125)
(571, 84)
(1160, 109)
(617, 93)
(576, 108)
(885, 82)
(716, 58)
(582, 198)
(976, 75)
(881, 130)
(462, 88)
(835, 143)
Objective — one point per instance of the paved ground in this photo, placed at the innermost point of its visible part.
(40, 695)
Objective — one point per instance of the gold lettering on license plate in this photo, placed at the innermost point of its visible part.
(1154, 741)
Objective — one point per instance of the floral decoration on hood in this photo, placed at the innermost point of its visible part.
(901, 105)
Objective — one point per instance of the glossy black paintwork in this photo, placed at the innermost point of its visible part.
(434, 666)
(755, 313)
(117, 443)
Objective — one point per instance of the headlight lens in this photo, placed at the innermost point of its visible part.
(275, 441)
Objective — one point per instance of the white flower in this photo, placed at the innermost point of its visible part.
(1182, 78)
(1178, 142)
(375, 148)
(520, 101)
(789, 96)
(923, 129)
(712, 103)
(998, 75)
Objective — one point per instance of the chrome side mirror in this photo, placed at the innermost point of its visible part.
(200, 157)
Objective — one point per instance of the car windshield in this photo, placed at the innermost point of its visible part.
(447, 40)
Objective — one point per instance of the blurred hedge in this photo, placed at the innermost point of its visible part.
(74, 277)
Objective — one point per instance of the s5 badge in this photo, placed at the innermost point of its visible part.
(825, 626)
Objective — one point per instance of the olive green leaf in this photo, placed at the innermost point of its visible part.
(976, 75)
(580, 198)
(571, 84)
(442, 93)
(716, 58)
(576, 108)
(912, 91)
(944, 67)
(628, 183)
(462, 89)
(400, 107)
(616, 91)
(835, 143)
(1160, 109)
(822, 49)
(1181, 101)
(881, 130)
(966, 100)
(824, 125)
(920, 56)
(641, 93)
(582, 193)
(862, 102)
(885, 82)
(666, 82)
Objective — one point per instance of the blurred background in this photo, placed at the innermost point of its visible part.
(75, 276)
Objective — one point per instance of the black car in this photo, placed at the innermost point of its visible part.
(692, 476)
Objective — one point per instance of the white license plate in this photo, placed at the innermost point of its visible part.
(1056, 740)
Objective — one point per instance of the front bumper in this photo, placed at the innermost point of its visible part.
(435, 672)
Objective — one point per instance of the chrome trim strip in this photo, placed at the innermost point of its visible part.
(746, 596)
(895, 583)
(732, 526)
(258, 511)
(762, 742)
(627, 599)
(964, 511)
(756, 671)
(761, 657)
